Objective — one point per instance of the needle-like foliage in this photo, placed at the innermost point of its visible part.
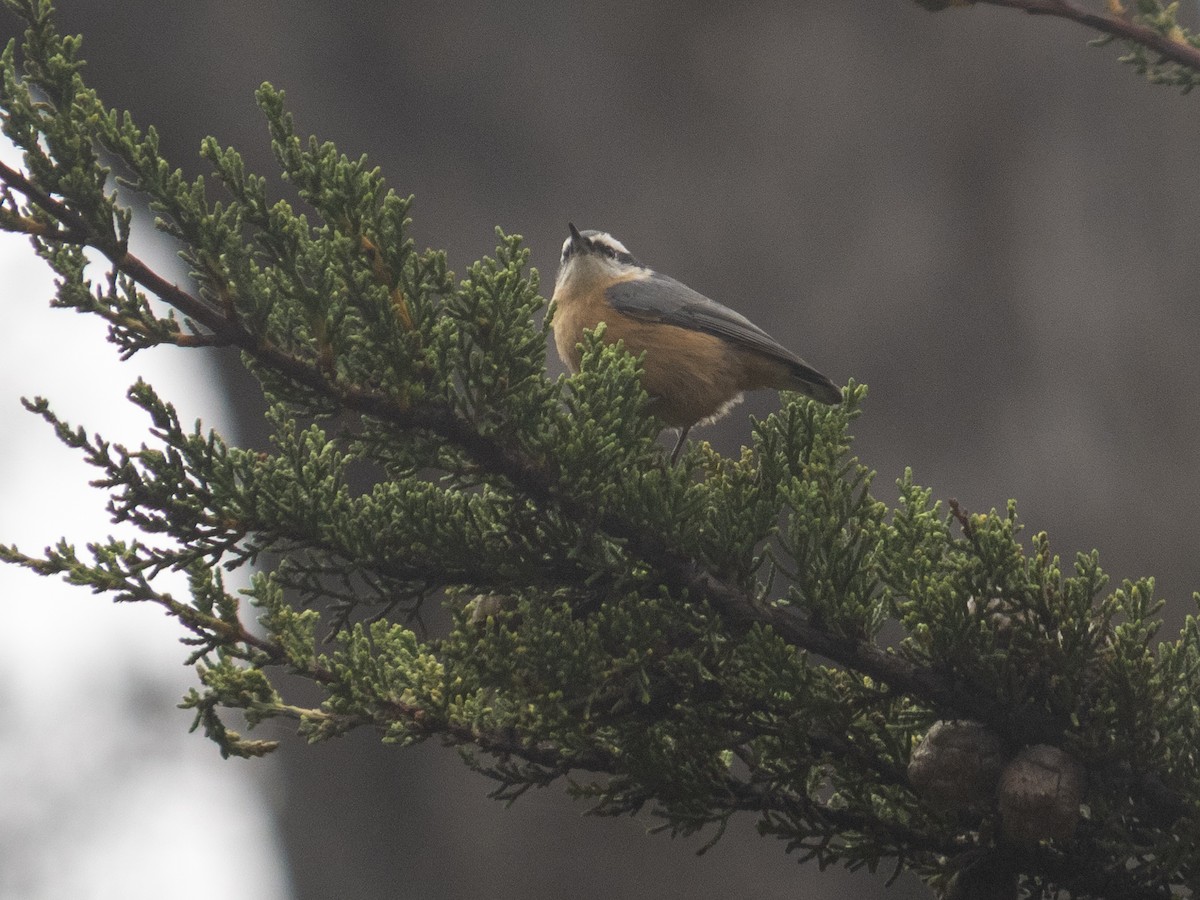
(758, 634)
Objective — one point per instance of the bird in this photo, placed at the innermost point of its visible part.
(700, 356)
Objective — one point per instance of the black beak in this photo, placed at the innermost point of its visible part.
(577, 240)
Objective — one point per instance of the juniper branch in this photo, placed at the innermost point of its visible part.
(539, 482)
(700, 714)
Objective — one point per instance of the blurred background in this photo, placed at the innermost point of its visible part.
(985, 220)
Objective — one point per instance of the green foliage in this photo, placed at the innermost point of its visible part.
(1161, 19)
(758, 634)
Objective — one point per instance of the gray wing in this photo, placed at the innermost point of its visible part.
(660, 298)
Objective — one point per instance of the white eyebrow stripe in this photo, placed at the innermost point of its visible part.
(603, 237)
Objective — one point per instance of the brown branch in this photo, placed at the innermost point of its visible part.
(60, 211)
(225, 330)
(1168, 47)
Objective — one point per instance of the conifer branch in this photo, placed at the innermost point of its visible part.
(531, 479)
(539, 483)
(622, 624)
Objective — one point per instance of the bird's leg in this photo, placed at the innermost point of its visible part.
(683, 433)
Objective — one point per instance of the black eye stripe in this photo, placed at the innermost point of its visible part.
(588, 245)
(610, 251)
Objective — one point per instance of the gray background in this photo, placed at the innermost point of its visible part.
(989, 223)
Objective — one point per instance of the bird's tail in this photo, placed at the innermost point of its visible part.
(809, 381)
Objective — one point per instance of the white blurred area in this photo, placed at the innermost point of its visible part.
(103, 792)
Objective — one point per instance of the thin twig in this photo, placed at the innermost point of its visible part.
(1168, 47)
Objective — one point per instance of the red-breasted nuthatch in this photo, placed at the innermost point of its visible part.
(700, 355)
